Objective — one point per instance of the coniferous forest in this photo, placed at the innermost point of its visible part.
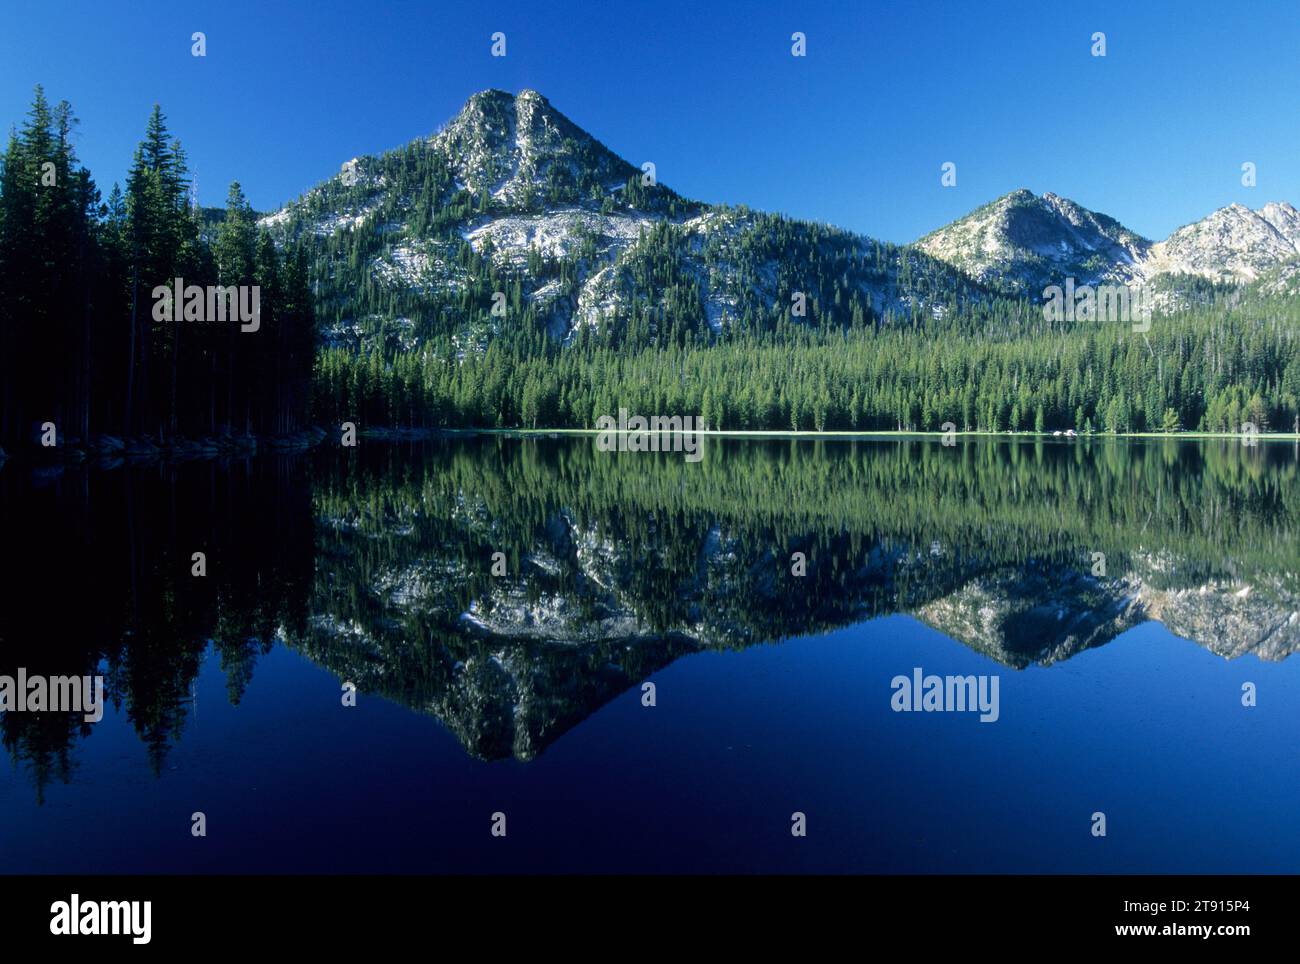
(80, 346)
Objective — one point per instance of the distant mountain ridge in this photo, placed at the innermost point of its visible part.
(1023, 242)
(1233, 244)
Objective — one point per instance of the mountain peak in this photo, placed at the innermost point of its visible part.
(1022, 242)
(494, 95)
(513, 144)
(1020, 197)
(1234, 243)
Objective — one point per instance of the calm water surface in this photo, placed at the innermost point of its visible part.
(1122, 593)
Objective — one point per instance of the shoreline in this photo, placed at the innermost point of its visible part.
(144, 451)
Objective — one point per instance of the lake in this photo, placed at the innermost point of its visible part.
(500, 604)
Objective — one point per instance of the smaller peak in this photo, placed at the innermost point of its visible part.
(494, 95)
(530, 102)
(1060, 204)
(489, 96)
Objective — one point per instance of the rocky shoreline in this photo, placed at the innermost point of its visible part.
(112, 449)
(107, 451)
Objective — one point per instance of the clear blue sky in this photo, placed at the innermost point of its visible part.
(854, 134)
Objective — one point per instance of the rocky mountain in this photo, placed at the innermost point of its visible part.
(1022, 243)
(516, 148)
(511, 197)
(1232, 245)
(512, 219)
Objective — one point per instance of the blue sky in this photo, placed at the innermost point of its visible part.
(854, 133)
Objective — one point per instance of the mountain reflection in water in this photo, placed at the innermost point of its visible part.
(376, 564)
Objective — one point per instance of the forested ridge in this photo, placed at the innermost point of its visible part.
(888, 338)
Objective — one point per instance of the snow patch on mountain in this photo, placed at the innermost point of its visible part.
(556, 234)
